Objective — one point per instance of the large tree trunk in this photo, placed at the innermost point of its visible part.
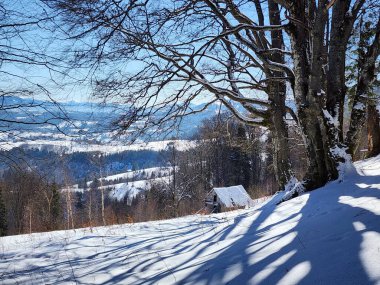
(322, 165)
(373, 127)
(357, 119)
(336, 87)
(281, 162)
(318, 132)
(366, 78)
(277, 95)
(342, 22)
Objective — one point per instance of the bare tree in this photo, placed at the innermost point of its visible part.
(181, 183)
(25, 59)
(98, 160)
(185, 50)
(244, 54)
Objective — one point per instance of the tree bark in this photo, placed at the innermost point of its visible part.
(102, 196)
(336, 88)
(341, 27)
(277, 95)
(307, 46)
(281, 162)
(366, 78)
(373, 127)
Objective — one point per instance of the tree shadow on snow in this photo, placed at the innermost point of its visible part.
(322, 247)
(320, 241)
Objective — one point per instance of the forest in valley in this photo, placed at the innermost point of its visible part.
(226, 153)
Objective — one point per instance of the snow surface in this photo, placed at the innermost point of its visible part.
(233, 196)
(328, 236)
(359, 106)
(131, 189)
(291, 188)
(162, 171)
(69, 146)
(332, 121)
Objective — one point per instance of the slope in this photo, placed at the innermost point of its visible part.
(328, 236)
(138, 181)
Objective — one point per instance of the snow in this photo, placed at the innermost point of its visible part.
(344, 167)
(233, 196)
(321, 93)
(68, 146)
(368, 167)
(163, 171)
(328, 236)
(264, 136)
(263, 156)
(330, 119)
(291, 188)
(131, 189)
(359, 106)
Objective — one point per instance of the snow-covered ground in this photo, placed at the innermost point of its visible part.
(147, 172)
(131, 189)
(328, 236)
(70, 146)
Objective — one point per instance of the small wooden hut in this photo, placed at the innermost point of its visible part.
(227, 198)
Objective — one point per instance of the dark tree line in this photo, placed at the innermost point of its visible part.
(227, 153)
(28, 204)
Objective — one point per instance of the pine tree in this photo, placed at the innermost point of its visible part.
(95, 184)
(79, 201)
(55, 205)
(3, 219)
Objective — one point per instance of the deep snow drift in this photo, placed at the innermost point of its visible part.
(329, 236)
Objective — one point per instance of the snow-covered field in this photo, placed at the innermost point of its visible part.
(131, 189)
(328, 236)
(70, 146)
(147, 172)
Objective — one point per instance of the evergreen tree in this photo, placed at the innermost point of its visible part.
(95, 184)
(79, 203)
(3, 219)
(55, 204)
(85, 184)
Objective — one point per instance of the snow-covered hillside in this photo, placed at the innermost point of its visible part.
(328, 236)
(69, 146)
(140, 181)
(130, 190)
(81, 126)
(146, 172)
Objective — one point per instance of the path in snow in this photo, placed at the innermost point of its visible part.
(328, 236)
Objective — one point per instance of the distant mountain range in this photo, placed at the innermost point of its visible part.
(25, 119)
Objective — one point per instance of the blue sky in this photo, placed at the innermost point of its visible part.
(51, 43)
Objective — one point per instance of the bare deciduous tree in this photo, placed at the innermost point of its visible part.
(185, 50)
(244, 54)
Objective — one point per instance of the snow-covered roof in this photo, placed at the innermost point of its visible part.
(233, 196)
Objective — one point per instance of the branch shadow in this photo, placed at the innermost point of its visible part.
(318, 238)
